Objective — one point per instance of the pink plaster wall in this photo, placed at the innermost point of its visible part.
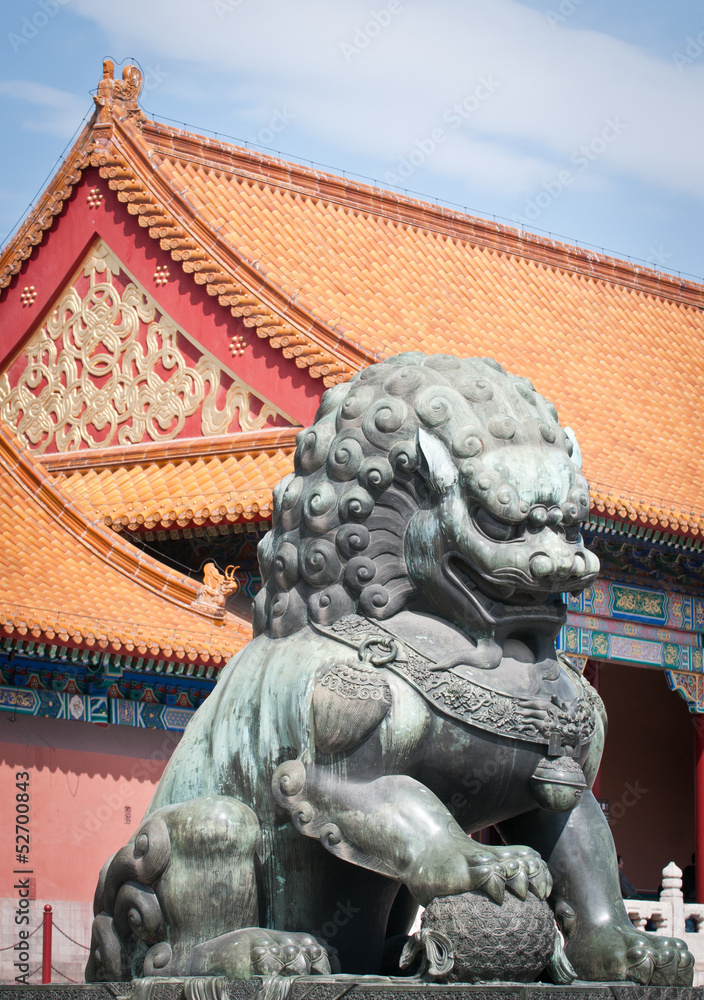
(82, 777)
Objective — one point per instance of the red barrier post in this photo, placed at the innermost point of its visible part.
(46, 946)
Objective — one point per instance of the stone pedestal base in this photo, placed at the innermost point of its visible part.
(339, 987)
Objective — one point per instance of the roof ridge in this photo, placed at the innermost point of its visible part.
(117, 110)
(49, 204)
(479, 231)
(288, 325)
(191, 240)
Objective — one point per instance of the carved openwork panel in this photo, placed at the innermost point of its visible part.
(108, 368)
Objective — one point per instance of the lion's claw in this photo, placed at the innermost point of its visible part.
(540, 884)
(685, 968)
(640, 965)
(283, 954)
(665, 971)
(493, 885)
(518, 884)
(654, 968)
(478, 868)
(517, 869)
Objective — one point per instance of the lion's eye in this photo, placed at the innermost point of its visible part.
(492, 527)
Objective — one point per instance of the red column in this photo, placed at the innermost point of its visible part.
(699, 759)
(46, 948)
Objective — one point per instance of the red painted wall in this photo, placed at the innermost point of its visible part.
(81, 778)
(647, 772)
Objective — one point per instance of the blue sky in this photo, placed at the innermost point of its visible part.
(581, 118)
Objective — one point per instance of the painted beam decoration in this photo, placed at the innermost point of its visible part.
(690, 686)
(625, 624)
(59, 682)
(652, 607)
(99, 709)
(649, 628)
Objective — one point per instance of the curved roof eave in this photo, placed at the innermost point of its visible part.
(64, 574)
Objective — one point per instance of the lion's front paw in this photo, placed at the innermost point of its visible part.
(525, 871)
(658, 961)
(623, 953)
(288, 954)
(473, 867)
(518, 869)
(257, 951)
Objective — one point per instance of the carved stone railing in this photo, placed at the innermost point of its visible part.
(670, 916)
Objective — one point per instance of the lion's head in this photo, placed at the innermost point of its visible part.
(431, 482)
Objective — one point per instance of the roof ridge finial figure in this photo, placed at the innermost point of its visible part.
(215, 589)
(118, 97)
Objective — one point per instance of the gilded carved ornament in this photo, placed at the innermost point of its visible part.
(89, 381)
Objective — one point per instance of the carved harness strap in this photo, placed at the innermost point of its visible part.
(563, 727)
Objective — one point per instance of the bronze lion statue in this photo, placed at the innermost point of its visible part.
(402, 692)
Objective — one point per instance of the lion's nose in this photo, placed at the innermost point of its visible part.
(579, 565)
(554, 561)
(541, 566)
(585, 564)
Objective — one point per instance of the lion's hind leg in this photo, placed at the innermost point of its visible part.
(186, 877)
(600, 941)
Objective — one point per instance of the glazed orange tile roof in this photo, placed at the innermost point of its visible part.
(68, 581)
(145, 491)
(338, 274)
(625, 368)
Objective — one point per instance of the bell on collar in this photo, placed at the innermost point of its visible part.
(558, 784)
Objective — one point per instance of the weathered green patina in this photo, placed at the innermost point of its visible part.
(401, 692)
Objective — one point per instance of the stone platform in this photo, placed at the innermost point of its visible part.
(349, 987)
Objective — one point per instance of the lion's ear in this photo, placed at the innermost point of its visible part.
(436, 465)
(576, 450)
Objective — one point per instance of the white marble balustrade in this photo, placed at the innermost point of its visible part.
(669, 914)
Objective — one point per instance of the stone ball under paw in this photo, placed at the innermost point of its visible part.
(513, 941)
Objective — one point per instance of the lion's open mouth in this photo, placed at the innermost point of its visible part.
(502, 604)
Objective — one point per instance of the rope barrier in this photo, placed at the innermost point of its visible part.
(68, 937)
(76, 982)
(55, 926)
(28, 937)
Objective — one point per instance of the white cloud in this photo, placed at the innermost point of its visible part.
(60, 111)
(557, 89)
